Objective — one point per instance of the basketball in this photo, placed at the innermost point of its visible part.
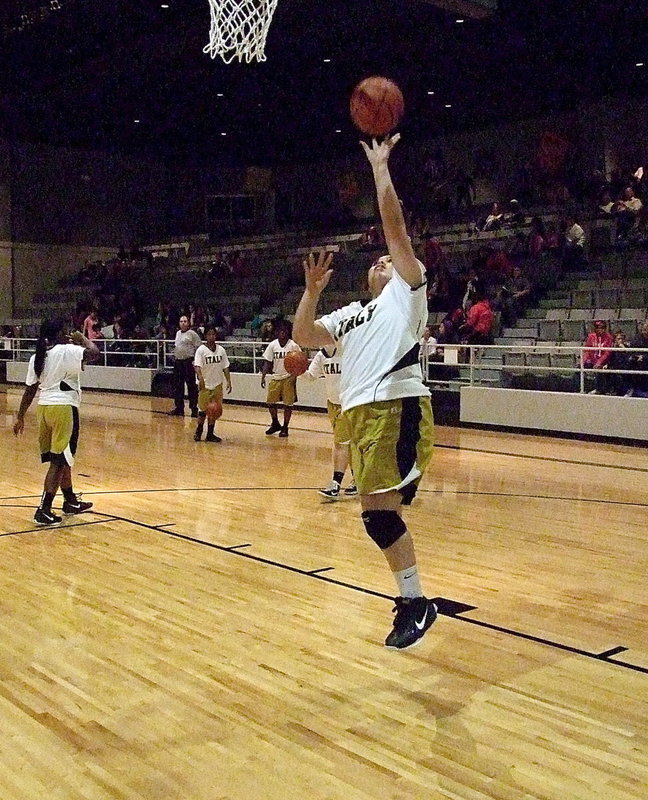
(214, 410)
(296, 362)
(377, 106)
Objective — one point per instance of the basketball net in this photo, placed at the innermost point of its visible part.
(239, 29)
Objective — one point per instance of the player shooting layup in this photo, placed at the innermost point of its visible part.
(382, 392)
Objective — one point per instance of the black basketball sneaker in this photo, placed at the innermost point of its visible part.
(413, 617)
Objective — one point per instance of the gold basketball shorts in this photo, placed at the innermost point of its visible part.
(207, 396)
(391, 445)
(58, 433)
(284, 391)
(339, 423)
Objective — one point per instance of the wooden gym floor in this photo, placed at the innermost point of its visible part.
(211, 630)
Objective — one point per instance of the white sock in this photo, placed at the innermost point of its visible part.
(409, 584)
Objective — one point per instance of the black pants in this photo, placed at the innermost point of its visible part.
(183, 372)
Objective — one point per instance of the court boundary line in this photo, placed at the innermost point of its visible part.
(594, 500)
(316, 574)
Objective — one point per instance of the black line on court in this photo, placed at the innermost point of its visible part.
(442, 603)
(166, 525)
(541, 458)
(58, 527)
(557, 645)
(321, 569)
(237, 547)
(513, 495)
(613, 652)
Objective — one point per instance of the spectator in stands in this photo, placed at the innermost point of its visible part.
(639, 361)
(470, 289)
(537, 241)
(186, 344)
(574, 252)
(465, 190)
(493, 221)
(439, 290)
(266, 331)
(478, 328)
(427, 344)
(596, 356)
(605, 206)
(627, 211)
(433, 257)
(514, 216)
(91, 326)
(515, 296)
(255, 325)
(619, 384)
(498, 266)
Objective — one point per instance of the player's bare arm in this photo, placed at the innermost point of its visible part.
(391, 213)
(307, 331)
(92, 352)
(200, 376)
(266, 368)
(228, 380)
(25, 402)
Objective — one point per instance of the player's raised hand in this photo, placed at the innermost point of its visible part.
(379, 152)
(316, 271)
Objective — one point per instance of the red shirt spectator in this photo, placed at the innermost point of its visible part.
(480, 318)
(499, 263)
(598, 339)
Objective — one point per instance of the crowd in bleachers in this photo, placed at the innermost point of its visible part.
(486, 272)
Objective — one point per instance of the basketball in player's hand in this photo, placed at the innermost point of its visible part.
(296, 362)
(377, 106)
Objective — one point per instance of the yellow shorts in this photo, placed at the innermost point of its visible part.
(391, 445)
(207, 396)
(58, 433)
(284, 391)
(339, 423)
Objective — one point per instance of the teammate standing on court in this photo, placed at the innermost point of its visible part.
(283, 385)
(55, 369)
(326, 365)
(186, 343)
(212, 366)
(382, 392)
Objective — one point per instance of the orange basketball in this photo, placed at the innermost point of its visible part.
(296, 362)
(214, 410)
(377, 106)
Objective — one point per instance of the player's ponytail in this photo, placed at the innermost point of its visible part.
(49, 332)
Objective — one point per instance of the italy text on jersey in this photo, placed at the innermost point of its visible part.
(349, 323)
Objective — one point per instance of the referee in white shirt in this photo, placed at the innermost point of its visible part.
(186, 344)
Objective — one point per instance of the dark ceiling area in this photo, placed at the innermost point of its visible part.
(80, 72)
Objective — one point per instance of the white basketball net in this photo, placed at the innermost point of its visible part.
(239, 29)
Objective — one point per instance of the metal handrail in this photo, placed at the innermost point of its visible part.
(157, 355)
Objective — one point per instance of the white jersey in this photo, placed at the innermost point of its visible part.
(275, 354)
(328, 367)
(379, 343)
(60, 380)
(212, 363)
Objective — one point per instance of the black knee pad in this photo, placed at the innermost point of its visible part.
(384, 527)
